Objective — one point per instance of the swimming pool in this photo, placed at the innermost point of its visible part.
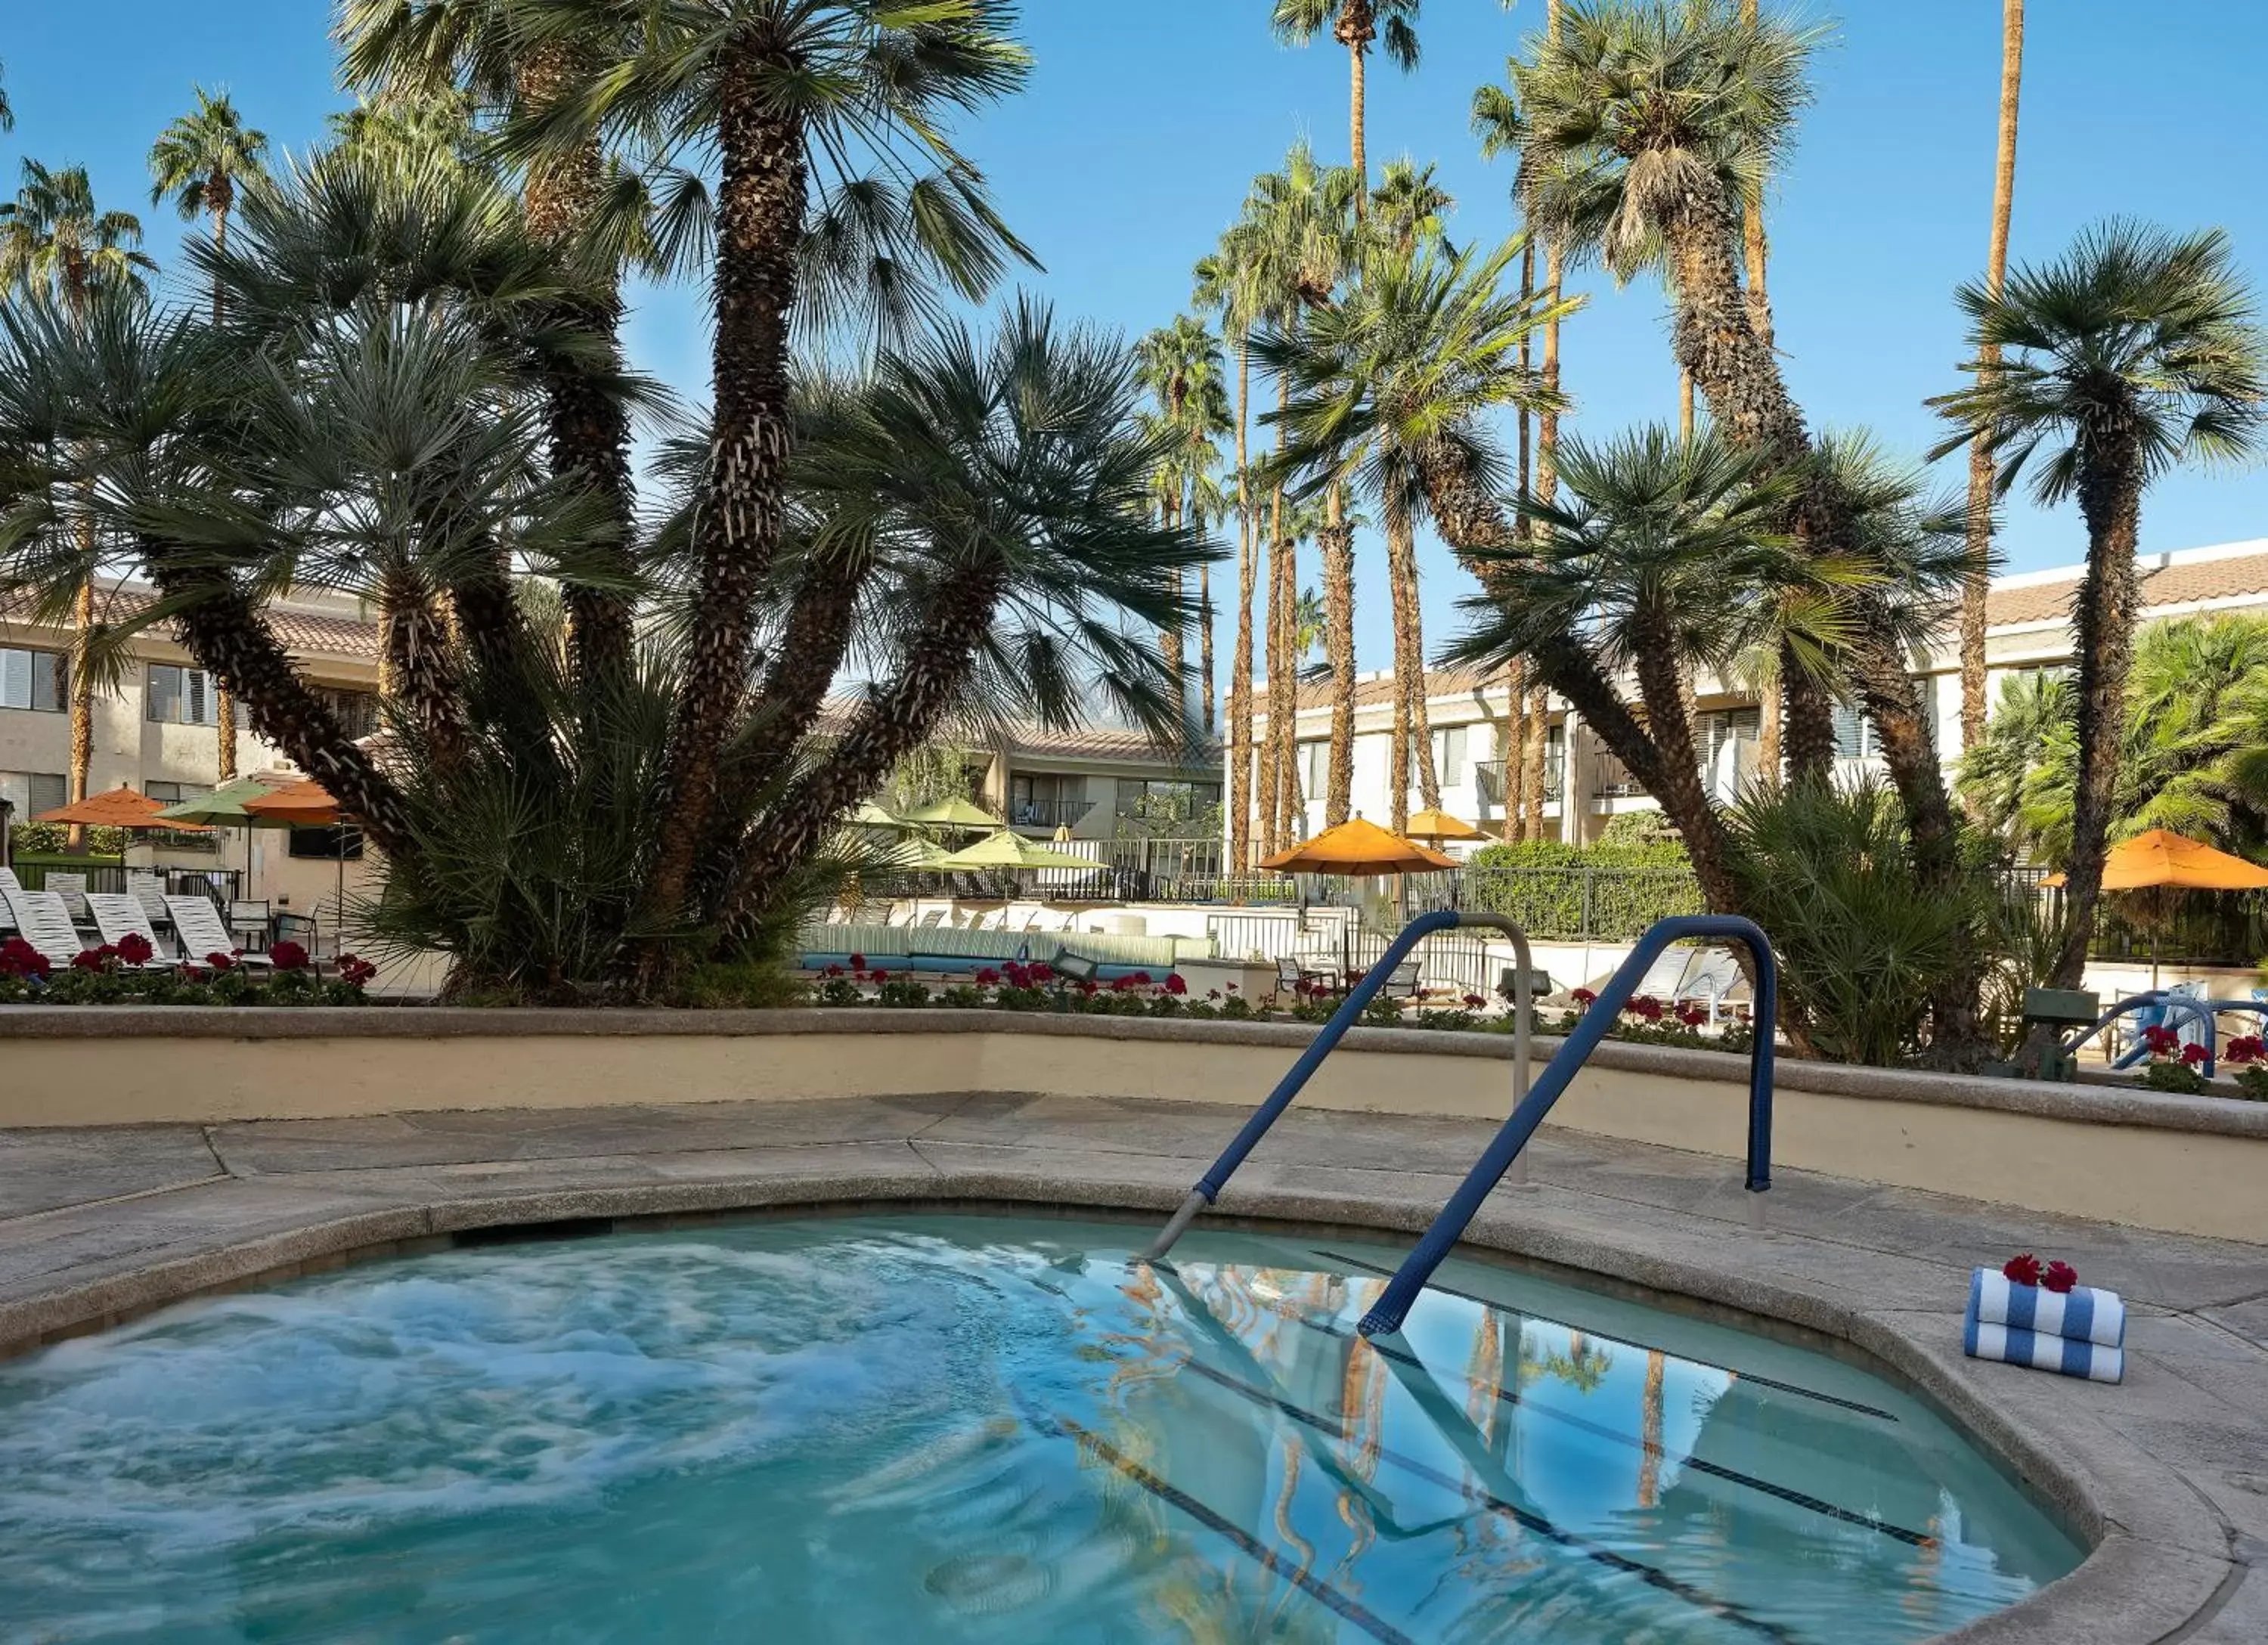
(955, 1427)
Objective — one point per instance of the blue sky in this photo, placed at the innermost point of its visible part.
(1144, 125)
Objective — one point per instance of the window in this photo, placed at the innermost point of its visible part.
(182, 696)
(1854, 737)
(173, 794)
(327, 844)
(31, 793)
(37, 680)
(357, 711)
(1157, 801)
(1449, 749)
(1315, 768)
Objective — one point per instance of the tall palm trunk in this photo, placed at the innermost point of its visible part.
(1511, 750)
(1357, 146)
(1169, 638)
(1527, 821)
(82, 675)
(1270, 797)
(1284, 698)
(1974, 708)
(1410, 654)
(1753, 247)
(1335, 544)
(2103, 637)
(758, 223)
(1547, 434)
(1204, 648)
(1239, 662)
(1539, 761)
(415, 662)
(219, 195)
(588, 430)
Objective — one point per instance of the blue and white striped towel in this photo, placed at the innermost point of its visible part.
(2084, 1314)
(2064, 1355)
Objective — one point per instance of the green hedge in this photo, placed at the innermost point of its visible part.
(1609, 893)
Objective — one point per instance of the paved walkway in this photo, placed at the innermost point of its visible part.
(2168, 1472)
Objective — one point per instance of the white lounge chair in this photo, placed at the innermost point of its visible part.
(119, 915)
(72, 889)
(1712, 980)
(202, 933)
(42, 921)
(149, 889)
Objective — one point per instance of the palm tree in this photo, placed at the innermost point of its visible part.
(1980, 459)
(1227, 284)
(2135, 351)
(791, 98)
(1354, 24)
(1408, 206)
(54, 239)
(1180, 366)
(7, 113)
(1642, 125)
(199, 160)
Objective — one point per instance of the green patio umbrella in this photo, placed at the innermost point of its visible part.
(952, 814)
(870, 815)
(1007, 849)
(223, 808)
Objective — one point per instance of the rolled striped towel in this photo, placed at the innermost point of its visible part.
(2064, 1354)
(2084, 1314)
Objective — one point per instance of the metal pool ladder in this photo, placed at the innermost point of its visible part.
(1530, 1105)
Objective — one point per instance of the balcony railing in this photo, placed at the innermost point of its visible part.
(1492, 777)
(1047, 813)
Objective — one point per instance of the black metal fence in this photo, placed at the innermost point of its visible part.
(2175, 927)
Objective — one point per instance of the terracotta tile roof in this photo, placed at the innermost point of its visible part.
(302, 632)
(2175, 585)
(1110, 743)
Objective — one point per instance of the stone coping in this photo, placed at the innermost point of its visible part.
(2165, 1562)
(2085, 1103)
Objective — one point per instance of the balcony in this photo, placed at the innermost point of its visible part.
(1049, 815)
(1490, 780)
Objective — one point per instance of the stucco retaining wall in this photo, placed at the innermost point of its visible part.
(2195, 1165)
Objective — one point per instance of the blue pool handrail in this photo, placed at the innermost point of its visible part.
(1393, 1306)
(2172, 1003)
(1209, 1186)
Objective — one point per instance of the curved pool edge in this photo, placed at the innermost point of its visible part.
(2145, 1578)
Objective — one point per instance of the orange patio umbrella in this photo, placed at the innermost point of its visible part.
(1358, 850)
(2162, 858)
(303, 804)
(1433, 827)
(118, 808)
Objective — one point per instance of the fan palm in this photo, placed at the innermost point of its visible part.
(1355, 25)
(796, 101)
(2134, 352)
(1227, 284)
(55, 239)
(7, 113)
(1408, 206)
(1642, 125)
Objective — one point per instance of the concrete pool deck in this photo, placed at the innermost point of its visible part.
(2166, 1474)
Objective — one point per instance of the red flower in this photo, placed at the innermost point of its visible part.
(135, 949)
(289, 956)
(1128, 984)
(1089, 988)
(1693, 1016)
(2024, 1270)
(987, 978)
(1646, 1008)
(1140, 978)
(2060, 1276)
(1214, 994)
(832, 971)
(220, 962)
(1043, 973)
(858, 962)
(880, 975)
(2163, 1042)
(1473, 1002)
(355, 973)
(2244, 1049)
(1175, 986)
(1017, 975)
(1585, 997)
(2192, 1055)
(1231, 987)
(91, 960)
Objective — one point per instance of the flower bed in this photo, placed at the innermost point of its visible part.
(1041, 987)
(123, 974)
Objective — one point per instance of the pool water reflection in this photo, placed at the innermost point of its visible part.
(966, 1428)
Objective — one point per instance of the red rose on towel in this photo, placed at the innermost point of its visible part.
(2061, 1277)
(135, 949)
(2024, 1270)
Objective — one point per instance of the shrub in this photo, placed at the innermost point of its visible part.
(1861, 943)
(904, 989)
(1560, 890)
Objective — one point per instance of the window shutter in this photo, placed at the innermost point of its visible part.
(15, 679)
(49, 792)
(1850, 734)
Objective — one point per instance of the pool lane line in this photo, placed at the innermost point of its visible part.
(1717, 1470)
(1527, 1518)
(1498, 1306)
(1345, 1605)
